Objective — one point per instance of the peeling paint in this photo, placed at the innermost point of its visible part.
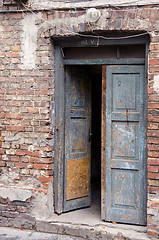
(1, 31)
(46, 4)
(29, 41)
(156, 83)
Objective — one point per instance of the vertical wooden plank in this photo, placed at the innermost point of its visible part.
(77, 140)
(59, 131)
(103, 134)
(125, 153)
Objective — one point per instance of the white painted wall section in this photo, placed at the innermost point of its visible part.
(29, 41)
(156, 83)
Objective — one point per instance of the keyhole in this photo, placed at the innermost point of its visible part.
(119, 83)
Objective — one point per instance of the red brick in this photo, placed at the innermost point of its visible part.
(23, 153)
(40, 104)
(2, 115)
(13, 54)
(45, 185)
(154, 46)
(46, 160)
(14, 158)
(153, 147)
(45, 179)
(1, 139)
(153, 140)
(23, 165)
(153, 133)
(153, 105)
(2, 164)
(152, 233)
(32, 110)
(14, 115)
(153, 154)
(153, 161)
(15, 128)
(36, 153)
(152, 126)
(2, 151)
(13, 103)
(25, 92)
(50, 172)
(153, 119)
(42, 92)
(153, 168)
(153, 175)
(153, 190)
(33, 159)
(42, 166)
(42, 129)
(47, 148)
(151, 90)
(154, 204)
(15, 48)
(154, 62)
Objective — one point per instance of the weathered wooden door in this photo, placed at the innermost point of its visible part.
(123, 145)
(77, 139)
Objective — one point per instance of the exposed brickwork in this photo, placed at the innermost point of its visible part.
(153, 142)
(19, 210)
(26, 143)
(27, 99)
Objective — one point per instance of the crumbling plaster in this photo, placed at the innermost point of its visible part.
(156, 83)
(47, 4)
(15, 194)
(41, 204)
(29, 40)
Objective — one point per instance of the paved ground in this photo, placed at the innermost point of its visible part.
(17, 234)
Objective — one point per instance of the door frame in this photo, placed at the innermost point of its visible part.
(59, 123)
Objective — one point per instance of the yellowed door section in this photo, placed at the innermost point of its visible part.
(77, 178)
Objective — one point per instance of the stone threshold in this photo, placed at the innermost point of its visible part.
(103, 231)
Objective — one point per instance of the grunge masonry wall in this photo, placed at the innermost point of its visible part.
(27, 107)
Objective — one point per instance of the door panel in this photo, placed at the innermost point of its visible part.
(77, 141)
(124, 145)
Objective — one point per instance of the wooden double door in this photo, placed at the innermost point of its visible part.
(123, 184)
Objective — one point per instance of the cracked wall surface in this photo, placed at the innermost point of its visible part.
(27, 116)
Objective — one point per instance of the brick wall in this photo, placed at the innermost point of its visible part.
(153, 139)
(26, 99)
(27, 102)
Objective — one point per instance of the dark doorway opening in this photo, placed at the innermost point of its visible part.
(96, 138)
(95, 73)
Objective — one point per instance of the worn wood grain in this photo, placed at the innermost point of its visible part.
(103, 125)
(77, 178)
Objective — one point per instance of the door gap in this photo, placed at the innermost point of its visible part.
(96, 78)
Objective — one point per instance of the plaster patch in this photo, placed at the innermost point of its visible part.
(54, 4)
(14, 194)
(18, 137)
(156, 83)
(29, 41)
(1, 31)
(43, 204)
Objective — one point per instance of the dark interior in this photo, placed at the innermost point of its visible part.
(96, 138)
(95, 73)
(105, 52)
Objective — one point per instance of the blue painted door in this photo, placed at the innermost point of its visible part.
(124, 197)
(77, 139)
